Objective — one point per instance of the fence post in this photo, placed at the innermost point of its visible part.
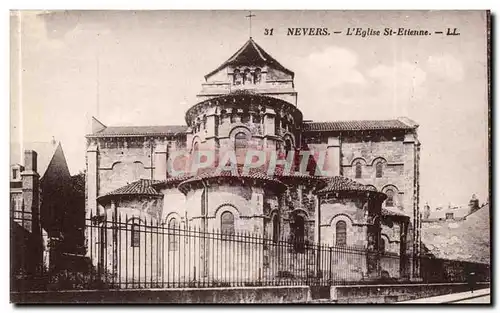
(330, 251)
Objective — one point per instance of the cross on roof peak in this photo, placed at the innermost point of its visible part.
(249, 16)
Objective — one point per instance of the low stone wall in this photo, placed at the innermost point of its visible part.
(396, 292)
(291, 294)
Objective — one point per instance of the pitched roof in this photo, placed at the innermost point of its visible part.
(213, 172)
(140, 187)
(251, 54)
(356, 125)
(340, 183)
(172, 181)
(394, 212)
(467, 240)
(116, 131)
(45, 152)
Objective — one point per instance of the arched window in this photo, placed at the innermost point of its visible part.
(245, 117)
(227, 223)
(276, 228)
(204, 122)
(257, 76)
(382, 246)
(247, 77)
(288, 147)
(240, 146)
(173, 235)
(379, 169)
(341, 233)
(223, 116)
(359, 169)
(298, 231)
(135, 235)
(237, 79)
(390, 198)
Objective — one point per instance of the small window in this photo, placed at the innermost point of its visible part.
(173, 237)
(135, 235)
(341, 233)
(382, 246)
(298, 232)
(276, 228)
(288, 147)
(449, 216)
(359, 169)
(227, 223)
(237, 79)
(247, 77)
(390, 198)
(14, 173)
(257, 76)
(240, 146)
(379, 167)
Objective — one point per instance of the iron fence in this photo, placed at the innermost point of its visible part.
(132, 253)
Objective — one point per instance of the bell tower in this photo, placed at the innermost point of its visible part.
(250, 70)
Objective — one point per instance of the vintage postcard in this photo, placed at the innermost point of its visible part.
(250, 157)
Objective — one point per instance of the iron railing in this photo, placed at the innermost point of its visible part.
(131, 253)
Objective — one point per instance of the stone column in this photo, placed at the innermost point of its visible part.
(160, 162)
(92, 178)
(372, 236)
(332, 160)
(410, 200)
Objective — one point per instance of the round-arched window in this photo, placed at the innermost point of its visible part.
(341, 233)
(227, 223)
(390, 198)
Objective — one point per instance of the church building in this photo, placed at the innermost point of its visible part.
(337, 183)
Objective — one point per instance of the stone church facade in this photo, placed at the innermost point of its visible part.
(366, 194)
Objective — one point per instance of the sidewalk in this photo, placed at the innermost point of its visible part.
(453, 297)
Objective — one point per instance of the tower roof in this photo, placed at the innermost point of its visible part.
(251, 54)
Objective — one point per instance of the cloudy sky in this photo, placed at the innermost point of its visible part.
(145, 68)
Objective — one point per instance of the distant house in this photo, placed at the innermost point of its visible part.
(466, 239)
(42, 203)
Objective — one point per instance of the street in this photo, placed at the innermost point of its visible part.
(481, 299)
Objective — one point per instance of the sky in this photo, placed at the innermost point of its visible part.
(146, 67)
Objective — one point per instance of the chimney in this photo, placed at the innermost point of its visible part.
(31, 209)
(473, 204)
(30, 161)
(427, 211)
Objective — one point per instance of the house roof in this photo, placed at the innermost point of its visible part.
(388, 211)
(214, 173)
(117, 131)
(341, 183)
(251, 54)
(466, 240)
(45, 152)
(140, 187)
(172, 181)
(356, 125)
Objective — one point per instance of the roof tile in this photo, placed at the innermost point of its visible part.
(355, 125)
(113, 131)
(140, 187)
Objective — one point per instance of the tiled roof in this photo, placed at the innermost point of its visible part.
(251, 54)
(340, 183)
(172, 181)
(140, 187)
(114, 131)
(252, 173)
(467, 240)
(355, 125)
(393, 212)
